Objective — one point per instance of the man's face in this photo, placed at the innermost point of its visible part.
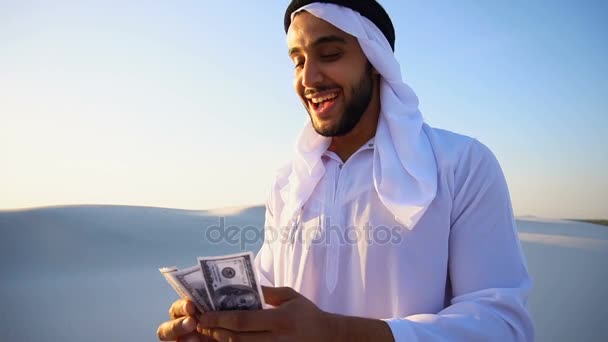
(332, 75)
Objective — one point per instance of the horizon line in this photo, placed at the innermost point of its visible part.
(243, 207)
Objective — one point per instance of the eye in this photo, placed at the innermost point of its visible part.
(329, 57)
(299, 63)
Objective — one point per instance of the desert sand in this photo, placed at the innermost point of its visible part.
(90, 273)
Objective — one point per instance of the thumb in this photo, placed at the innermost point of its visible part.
(275, 296)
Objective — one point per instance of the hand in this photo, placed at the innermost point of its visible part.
(294, 318)
(182, 326)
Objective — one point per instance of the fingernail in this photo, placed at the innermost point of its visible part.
(189, 324)
(185, 307)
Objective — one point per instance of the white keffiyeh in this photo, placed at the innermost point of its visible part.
(404, 167)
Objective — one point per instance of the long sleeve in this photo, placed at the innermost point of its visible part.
(489, 277)
(264, 258)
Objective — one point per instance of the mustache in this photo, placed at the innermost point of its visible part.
(319, 89)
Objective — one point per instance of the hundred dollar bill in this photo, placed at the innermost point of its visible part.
(232, 283)
(189, 284)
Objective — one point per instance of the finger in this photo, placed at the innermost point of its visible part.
(192, 337)
(222, 335)
(204, 333)
(277, 295)
(243, 321)
(171, 330)
(182, 308)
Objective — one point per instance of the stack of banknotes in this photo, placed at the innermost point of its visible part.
(219, 283)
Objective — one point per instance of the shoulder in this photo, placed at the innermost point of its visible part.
(281, 176)
(453, 149)
(457, 153)
(468, 163)
(280, 180)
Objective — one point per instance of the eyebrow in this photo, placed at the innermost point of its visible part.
(320, 41)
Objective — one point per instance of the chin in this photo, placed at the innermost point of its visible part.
(324, 124)
(325, 129)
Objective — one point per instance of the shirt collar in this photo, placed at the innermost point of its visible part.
(369, 145)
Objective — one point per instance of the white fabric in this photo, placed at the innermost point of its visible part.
(341, 234)
(468, 227)
(404, 169)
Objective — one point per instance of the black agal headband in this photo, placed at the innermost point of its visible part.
(370, 9)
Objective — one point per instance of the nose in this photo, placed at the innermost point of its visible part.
(311, 74)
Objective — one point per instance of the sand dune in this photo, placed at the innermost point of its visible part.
(90, 272)
(569, 266)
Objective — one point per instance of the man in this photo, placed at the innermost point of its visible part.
(383, 227)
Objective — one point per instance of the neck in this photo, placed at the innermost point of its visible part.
(344, 146)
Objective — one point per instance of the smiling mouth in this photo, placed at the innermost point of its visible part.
(321, 103)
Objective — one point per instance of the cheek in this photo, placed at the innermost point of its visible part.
(338, 74)
(297, 86)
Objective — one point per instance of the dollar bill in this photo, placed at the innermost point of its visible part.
(231, 282)
(189, 284)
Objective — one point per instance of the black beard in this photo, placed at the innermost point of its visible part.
(361, 96)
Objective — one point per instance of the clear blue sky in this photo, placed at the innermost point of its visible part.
(189, 104)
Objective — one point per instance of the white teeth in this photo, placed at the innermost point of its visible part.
(324, 98)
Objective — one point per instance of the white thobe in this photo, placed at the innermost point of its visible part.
(459, 275)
